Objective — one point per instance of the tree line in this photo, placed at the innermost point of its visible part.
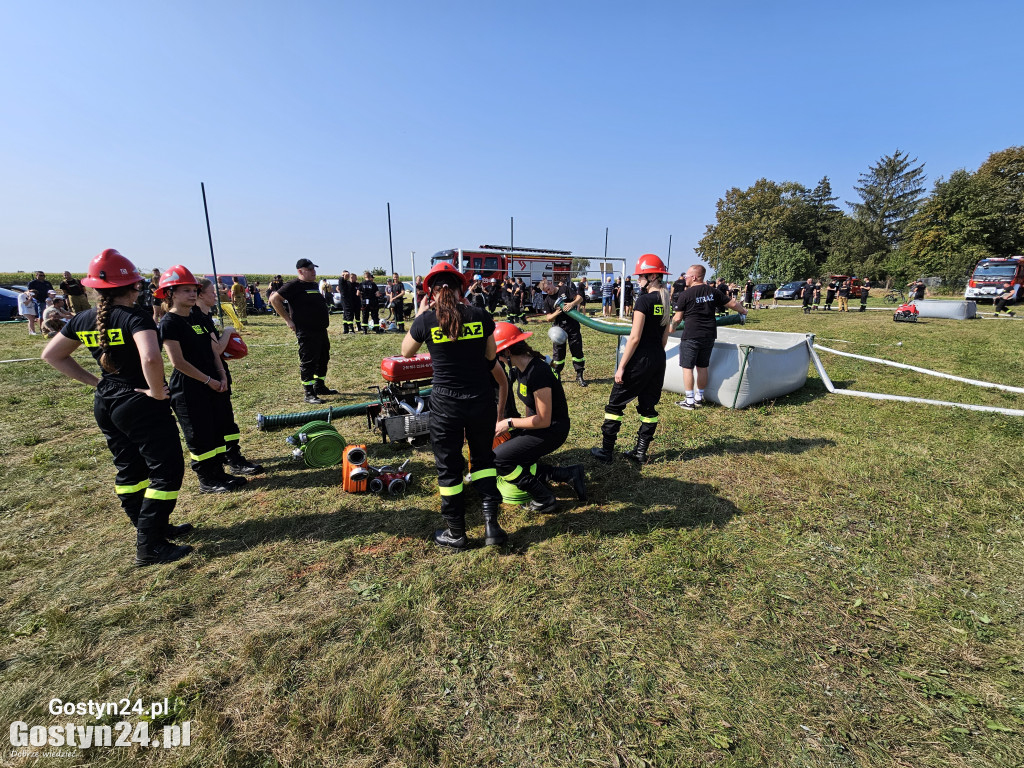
(893, 232)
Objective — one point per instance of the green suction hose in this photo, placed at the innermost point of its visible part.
(264, 422)
(318, 443)
(619, 329)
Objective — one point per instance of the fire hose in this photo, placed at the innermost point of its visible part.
(264, 422)
(318, 444)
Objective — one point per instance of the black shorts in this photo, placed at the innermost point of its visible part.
(695, 353)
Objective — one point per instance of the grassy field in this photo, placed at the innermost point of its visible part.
(815, 581)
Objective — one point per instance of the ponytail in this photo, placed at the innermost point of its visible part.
(447, 303)
(104, 306)
(666, 298)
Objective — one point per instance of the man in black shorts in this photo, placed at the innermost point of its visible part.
(306, 314)
(697, 307)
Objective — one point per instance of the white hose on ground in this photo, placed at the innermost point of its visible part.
(878, 396)
(975, 382)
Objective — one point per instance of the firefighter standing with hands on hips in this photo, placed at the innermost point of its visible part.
(308, 316)
(460, 339)
(542, 430)
(641, 371)
(131, 403)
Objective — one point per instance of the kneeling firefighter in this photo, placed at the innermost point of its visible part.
(641, 371)
(460, 339)
(544, 428)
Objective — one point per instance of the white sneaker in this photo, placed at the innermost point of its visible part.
(686, 405)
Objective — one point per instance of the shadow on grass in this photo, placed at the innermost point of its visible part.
(791, 445)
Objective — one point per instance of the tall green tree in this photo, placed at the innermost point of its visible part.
(890, 193)
(782, 261)
(821, 215)
(1005, 171)
(745, 219)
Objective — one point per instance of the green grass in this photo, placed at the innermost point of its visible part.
(814, 581)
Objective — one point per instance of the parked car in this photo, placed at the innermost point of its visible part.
(8, 304)
(793, 290)
(767, 290)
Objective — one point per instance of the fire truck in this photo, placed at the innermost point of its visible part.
(489, 261)
(992, 277)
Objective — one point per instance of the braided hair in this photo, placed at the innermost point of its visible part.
(104, 306)
(447, 305)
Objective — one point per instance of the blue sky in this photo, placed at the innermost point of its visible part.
(305, 119)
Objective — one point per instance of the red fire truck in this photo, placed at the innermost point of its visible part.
(489, 261)
(993, 277)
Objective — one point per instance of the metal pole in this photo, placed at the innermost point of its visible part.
(391, 247)
(213, 259)
(415, 303)
(668, 260)
(512, 233)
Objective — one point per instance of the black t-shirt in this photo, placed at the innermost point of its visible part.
(844, 290)
(538, 376)
(368, 293)
(40, 290)
(308, 306)
(459, 365)
(699, 305)
(72, 287)
(678, 287)
(196, 346)
(649, 304)
(563, 320)
(205, 320)
(122, 325)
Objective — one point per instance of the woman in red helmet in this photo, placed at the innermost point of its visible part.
(462, 406)
(641, 371)
(542, 430)
(202, 313)
(131, 403)
(198, 382)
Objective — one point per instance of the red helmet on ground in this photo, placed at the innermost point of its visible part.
(236, 348)
(111, 270)
(649, 264)
(506, 334)
(176, 275)
(445, 268)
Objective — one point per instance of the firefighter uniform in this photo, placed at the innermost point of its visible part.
(196, 405)
(642, 380)
(572, 330)
(369, 299)
(461, 406)
(349, 305)
(310, 316)
(140, 431)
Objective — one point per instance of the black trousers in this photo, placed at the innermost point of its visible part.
(641, 381)
(143, 440)
(398, 308)
(575, 344)
(521, 454)
(348, 311)
(314, 354)
(1000, 305)
(370, 310)
(197, 406)
(453, 421)
(226, 416)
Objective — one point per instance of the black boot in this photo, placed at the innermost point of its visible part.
(574, 476)
(219, 483)
(606, 452)
(177, 531)
(639, 453)
(454, 536)
(159, 552)
(493, 534)
(543, 500)
(237, 463)
(320, 388)
(311, 397)
(579, 379)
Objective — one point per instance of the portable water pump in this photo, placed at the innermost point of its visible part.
(401, 413)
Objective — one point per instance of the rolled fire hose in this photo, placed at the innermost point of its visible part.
(264, 422)
(319, 444)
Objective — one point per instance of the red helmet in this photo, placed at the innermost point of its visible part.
(506, 334)
(236, 348)
(111, 270)
(176, 275)
(649, 264)
(445, 268)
